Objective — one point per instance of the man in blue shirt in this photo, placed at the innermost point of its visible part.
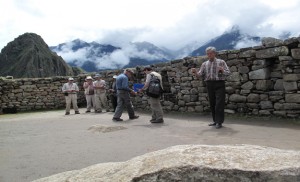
(123, 94)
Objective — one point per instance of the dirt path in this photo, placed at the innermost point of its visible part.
(35, 145)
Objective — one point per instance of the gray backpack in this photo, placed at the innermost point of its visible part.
(154, 89)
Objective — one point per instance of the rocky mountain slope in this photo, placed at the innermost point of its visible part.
(29, 56)
(232, 39)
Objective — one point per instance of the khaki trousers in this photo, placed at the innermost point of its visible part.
(100, 101)
(71, 98)
(157, 112)
(90, 102)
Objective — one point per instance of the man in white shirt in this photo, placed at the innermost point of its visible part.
(70, 90)
(100, 94)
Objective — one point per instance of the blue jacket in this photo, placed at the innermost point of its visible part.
(122, 82)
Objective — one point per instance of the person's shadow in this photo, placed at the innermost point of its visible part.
(224, 131)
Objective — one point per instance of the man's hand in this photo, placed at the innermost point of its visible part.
(140, 90)
(133, 92)
(194, 70)
(221, 69)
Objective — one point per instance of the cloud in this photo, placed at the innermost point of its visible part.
(215, 17)
(169, 23)
(246, 42)
(120, 37)
(115, 60)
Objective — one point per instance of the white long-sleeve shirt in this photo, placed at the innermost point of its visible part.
(70, 87)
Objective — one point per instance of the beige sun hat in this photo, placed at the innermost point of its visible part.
(89, 78)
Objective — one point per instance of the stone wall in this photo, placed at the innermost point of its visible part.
(265, 80)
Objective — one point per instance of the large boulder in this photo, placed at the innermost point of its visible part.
(260, 74)
(186, 163)
(237, 98)
(272, 52)
(296, 53)
(271, 42)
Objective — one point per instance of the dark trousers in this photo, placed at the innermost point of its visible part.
(124, 100)
(216, 95)
(114, 101)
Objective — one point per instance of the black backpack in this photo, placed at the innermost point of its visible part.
(154, 89)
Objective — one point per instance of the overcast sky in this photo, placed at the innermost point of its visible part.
(168, 23)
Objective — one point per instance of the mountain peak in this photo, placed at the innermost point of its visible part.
(227, 41)
(29, 56)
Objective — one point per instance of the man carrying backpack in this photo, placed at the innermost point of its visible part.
(153, 87)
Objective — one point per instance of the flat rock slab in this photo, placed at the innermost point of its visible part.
(105, 129)
(195, 163)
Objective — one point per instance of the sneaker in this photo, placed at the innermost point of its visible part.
(158, 121)
(117, 119)
(67, 113)
(134, 117)
(212, 124)
(87, 111)
(77, 112)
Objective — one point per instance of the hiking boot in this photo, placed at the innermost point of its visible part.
(158, 121)
(87, 111)
(134, 117)
(67, 113)
(218, 126)
(77, 112)
(212, 124)
(117, 119)
(152, 120)
(98, 111)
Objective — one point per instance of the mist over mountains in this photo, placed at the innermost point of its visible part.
(94, 56)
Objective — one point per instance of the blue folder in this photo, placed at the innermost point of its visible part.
(137, 86)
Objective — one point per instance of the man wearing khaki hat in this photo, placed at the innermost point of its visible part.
(70, 90)
(89, 92)
(100, 94)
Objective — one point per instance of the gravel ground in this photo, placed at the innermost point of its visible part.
(39, 144)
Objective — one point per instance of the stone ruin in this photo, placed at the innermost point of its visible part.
(264, 81)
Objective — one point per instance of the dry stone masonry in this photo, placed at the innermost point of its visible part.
(264, 80)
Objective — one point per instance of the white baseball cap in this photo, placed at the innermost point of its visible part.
(71, 79)
(89, 78)
(97, 76)
(115, 76)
